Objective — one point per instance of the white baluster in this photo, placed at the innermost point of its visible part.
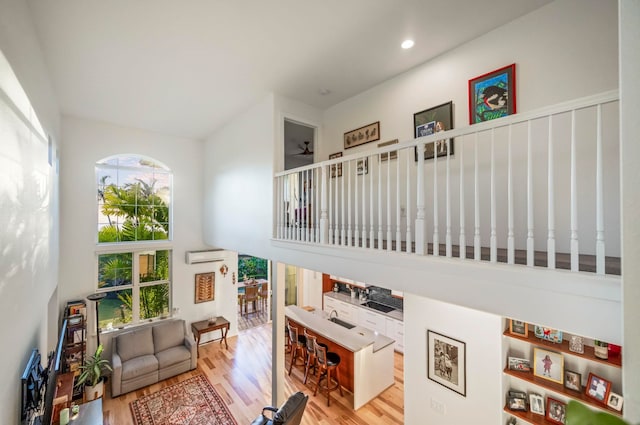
(463, 238)
(493, 239)
(600, 269)
(389, 237)
(371, 207)
(448, 202)
(551, 231)
(364, 206)
(510, 232)
(398, 217)
(408, 204)
(530, 239)
(575, 253)
(420, 224)
(476, 200)
(343, 222)
(356, 226)
(436, 232)
(305, 202)
(348, 239)
(379, 203)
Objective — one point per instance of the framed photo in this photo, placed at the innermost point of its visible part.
(614, 401)
(536, 404)
(362, 166)
(548, 334)
(598, 388)
(573, 380)
(336, 169)
(205, 287)
(517, 394)
(522, 365)
(517, 403)
(388, 155)
(556, 411)
(433, 120)
(362, 135)
(493, 95)
(548, 365)
(518, 327)
(576, 344)
(446, 362)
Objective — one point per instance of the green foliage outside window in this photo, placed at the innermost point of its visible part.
(252, 267)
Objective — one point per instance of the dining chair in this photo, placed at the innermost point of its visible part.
(250, 297)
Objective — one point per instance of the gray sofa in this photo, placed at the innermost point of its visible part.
(148, 355)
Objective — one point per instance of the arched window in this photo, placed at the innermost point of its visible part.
(133, 233)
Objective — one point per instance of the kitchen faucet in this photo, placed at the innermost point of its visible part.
(330, 314)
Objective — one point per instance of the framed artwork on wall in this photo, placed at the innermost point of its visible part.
(492, 95)
(205, 287)
(446, 362)
(433, 120)
(336, 169)
(388, 155)
(362, 135)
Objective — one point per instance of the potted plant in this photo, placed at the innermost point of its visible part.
(92, 374)
(579, 414)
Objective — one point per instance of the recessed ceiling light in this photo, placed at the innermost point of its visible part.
(407, 44)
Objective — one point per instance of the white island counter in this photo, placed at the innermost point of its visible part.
(366, 367)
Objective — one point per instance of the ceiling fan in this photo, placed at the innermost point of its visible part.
(306, 150)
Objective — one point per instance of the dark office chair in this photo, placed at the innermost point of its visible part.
(290, 413)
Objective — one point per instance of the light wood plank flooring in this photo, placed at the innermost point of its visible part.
(242, 376)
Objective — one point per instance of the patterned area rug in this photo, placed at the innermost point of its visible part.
(192, 402)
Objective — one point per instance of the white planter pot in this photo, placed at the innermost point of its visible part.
(92, 393)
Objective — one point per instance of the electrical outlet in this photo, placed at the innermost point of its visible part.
(438, 406)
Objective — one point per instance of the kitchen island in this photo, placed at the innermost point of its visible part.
(366, 366)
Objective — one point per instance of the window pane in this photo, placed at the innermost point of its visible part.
(154, 301)
(154, 265)
(115, 309)
(114, 269)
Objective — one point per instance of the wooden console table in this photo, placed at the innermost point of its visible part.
(204, 326)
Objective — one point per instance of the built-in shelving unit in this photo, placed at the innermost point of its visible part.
(516, 345)
(75, 340)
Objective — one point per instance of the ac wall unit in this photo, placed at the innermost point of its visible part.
(208, 256)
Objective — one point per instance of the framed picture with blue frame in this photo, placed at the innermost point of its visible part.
(492, 95)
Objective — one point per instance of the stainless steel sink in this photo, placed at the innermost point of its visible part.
(342, 323)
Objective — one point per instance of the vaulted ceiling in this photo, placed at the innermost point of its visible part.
(186, 67)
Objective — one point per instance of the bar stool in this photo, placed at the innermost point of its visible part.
(328, 361)
(298, 343)
(312, 361)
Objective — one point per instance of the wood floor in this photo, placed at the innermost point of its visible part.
(242, 376)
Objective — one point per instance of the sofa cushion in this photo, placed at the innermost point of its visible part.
(135, 343)
(168, 334)
(172, 356)
(139, 366)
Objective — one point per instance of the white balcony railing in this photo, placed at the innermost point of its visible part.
(539, 188)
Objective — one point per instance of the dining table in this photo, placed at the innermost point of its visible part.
(242, 284)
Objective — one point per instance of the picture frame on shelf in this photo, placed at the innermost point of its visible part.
(572, 380)
(576, 344)
(433, 120)
(548, 365)
(492, 95)
(362, 135)
(518, 394)
(518, 327)
(517, 403)
(614, 401)
(536, 404)
(521, 365)
(336, 169)
(446, 362)
(598, 388)
(205, 288)
(556, 411)
(548, 334)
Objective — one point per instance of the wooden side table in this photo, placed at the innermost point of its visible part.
(205, 326)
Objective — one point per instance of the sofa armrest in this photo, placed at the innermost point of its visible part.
(190, 343)
(116, 374)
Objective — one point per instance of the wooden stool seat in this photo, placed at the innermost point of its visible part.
(312, 361)
(328, 363)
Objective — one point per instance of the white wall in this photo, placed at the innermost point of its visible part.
(29, 204)
(86, 142)
(562, 51)
(482, 334)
